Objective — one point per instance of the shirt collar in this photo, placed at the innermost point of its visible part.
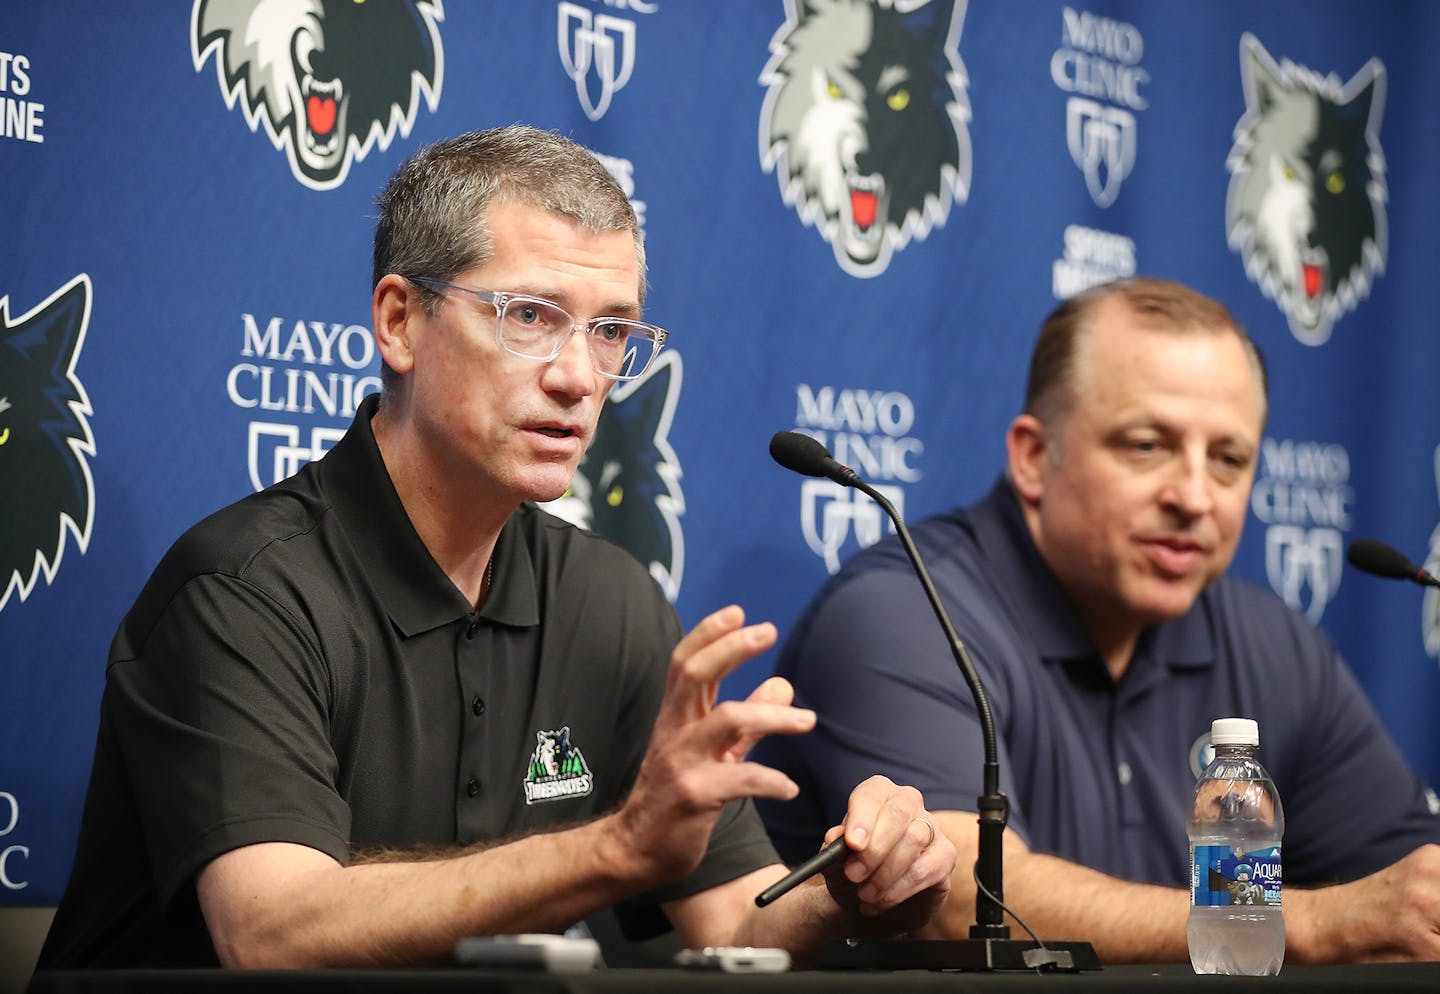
(417, 594)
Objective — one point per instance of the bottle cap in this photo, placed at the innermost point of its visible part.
(1234, 731)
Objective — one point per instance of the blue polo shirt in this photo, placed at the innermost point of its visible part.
(1098, 771)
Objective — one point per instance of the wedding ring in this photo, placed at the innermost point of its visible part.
(927, 824)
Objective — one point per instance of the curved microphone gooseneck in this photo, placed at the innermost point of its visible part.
(802, 454)
(989, 946)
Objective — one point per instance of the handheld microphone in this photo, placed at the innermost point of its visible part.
(1380, 559)
(989, 946)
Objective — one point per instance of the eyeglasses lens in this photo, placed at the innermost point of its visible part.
(537, 330)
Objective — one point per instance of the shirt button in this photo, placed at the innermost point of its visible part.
(478, 706)
(1124, 773)
(474, 628)
(473, 787)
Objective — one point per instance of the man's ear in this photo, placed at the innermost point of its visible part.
(1027, 447)
(393, 308)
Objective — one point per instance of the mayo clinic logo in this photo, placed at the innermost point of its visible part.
(1303, 496)
(310, 368)
(869, 431)
(1098, 61)
(598, 50)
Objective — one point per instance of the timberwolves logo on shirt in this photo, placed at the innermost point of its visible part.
(45, 485)
(329, 79)
(865, 122)
(628, 485)
(1306, 206)
(557, 769)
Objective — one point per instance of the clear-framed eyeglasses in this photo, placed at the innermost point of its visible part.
(536, 328)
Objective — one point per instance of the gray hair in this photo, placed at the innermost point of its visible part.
(433, 212)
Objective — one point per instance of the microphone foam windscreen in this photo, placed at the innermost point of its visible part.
(800, 453)
(1380, 559)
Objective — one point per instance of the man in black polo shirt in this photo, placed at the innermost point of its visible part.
(389, 703)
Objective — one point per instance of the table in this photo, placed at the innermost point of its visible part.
(1163, 979)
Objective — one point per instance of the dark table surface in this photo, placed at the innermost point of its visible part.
(1358, 978)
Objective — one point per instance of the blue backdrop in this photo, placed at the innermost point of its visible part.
(857, 214)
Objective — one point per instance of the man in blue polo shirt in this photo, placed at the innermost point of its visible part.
(1089, 588)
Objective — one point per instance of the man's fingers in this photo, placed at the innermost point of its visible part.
(889, 843)
(734, 726)
(710, 628)
(722, 782)
(877, 815)
(695, 762)
(718, 644)
(774, 691)
(899, 850)
(907, 867)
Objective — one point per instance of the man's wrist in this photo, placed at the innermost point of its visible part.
(1312, 932)
(620, 861)
(801, 920)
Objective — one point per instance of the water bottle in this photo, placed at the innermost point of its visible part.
(1235, 828)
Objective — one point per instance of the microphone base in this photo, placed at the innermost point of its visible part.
(957, 954)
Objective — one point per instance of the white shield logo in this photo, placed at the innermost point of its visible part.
(839, 507)
(1102, 143)
(1295, 558)
(589, 42)
(276, 453)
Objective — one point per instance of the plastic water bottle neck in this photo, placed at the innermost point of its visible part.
(1235, 751)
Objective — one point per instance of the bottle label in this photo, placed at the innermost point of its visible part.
(1222, 877)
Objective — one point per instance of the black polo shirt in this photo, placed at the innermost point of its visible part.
(299, 669)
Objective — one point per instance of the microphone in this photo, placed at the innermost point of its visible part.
(1380, 559)
(801, 454)
(989, 946)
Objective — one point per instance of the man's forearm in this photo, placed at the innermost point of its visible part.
(1126, 922)
(278, 905)
(1393, 914)
(798, 922)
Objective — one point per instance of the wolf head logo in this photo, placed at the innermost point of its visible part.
(552, 748)
(866, 122)
(628, 485)
(1306, 205)
(45, 484)
(328, 78)
(557, 768)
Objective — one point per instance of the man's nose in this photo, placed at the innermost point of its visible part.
(1189, 489)
(573, 370)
